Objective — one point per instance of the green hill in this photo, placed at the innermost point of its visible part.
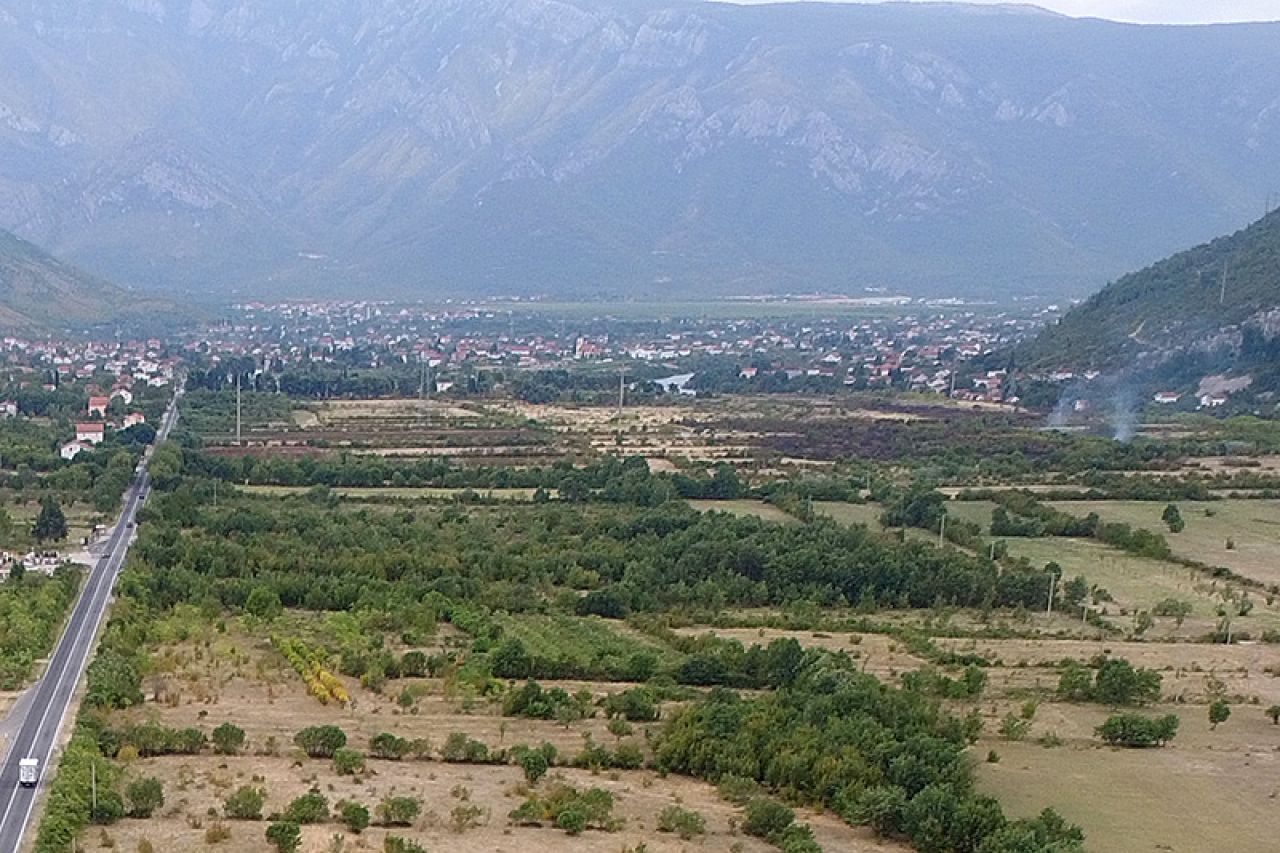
(38, 293)
(1222, 296)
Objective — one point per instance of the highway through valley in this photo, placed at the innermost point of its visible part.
(51, 698)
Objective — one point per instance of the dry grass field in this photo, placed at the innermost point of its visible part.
(1252, 526)
(237, 676)
(1206, 791)
(756, 509)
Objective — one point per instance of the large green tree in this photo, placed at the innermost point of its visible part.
(51, 523)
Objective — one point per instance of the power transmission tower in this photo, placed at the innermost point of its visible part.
(237, 407)
(1222, 294)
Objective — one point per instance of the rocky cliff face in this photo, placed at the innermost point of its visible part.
(421, 146)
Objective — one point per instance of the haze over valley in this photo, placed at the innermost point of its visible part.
(623, 149)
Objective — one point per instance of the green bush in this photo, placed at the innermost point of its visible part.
(320, 741)
(354, 815)
(1135, 730)
(683, 822)
(228, 739)
(348, 762)
(144, 796)
(311, 807)
(387, 746)
(245, 804)
(398, 811)
(766, 818)
(286, 837)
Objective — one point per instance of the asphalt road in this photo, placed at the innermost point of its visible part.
(51, 701)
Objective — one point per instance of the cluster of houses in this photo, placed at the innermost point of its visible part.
(91, 433)
(44, 562)
(917, 347)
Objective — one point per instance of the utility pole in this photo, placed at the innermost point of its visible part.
(237, 408)
(1222, 294)
(622, 390)
(1053, 582)
(93, 775)
(942, 531)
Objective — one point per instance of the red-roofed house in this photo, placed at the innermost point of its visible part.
(98, 406)
(90, 433)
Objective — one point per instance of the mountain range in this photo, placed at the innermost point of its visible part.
(619, 148)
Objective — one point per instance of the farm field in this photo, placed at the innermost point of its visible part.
(1139, 583)
(746, 508)
(850, 513)
(1253, 527)
(1209, 790)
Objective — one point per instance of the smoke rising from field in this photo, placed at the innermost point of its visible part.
(1124, 414)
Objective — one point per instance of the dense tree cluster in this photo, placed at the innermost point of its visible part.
(32, 607)
(669, 556)
(877, 755)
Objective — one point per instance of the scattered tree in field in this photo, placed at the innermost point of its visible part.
(1173, 607)
(1274, 713)
(1219, 712)
(1136, 730)
(683, 822)
(396, 844)
(569, 809)
(286, 837)
(245, 804)
(1173, 518)
(311, 807)
(348, 762)
(619, 728)
(144, 796)
(1116, 683)
(1014, 727)
(388, 746)
(228, 739)
(766, 818)
(354, 815)
(320, 741)
(51, 524)
(398, 811)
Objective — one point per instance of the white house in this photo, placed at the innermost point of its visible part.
(133, 419)
(72, 449)
(1167, 397)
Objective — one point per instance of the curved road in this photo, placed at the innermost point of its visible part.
(51, 697)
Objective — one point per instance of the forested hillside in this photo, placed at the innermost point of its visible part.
(1223, 296)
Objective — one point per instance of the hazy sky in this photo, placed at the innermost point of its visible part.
(1142, 11)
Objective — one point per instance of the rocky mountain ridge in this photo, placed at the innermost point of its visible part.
(622, 146)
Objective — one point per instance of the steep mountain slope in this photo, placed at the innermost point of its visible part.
(39, 293)
(1223, 296)
(623, 146)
